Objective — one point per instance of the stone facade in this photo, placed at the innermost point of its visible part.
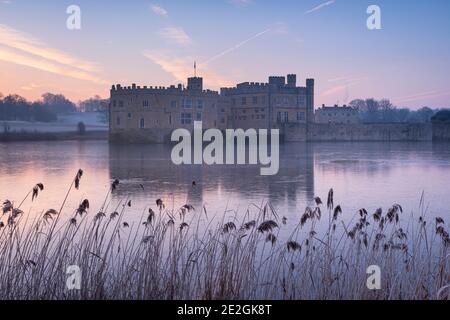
(337, 115)
(267, 105)
(149, 114)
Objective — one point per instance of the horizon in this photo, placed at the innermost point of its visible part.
(158, 42)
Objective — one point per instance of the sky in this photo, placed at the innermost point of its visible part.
(232, 41)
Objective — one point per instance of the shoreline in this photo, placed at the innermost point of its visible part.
(53, 136)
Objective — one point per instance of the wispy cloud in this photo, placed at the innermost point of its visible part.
(320, 6)
(175, 35)
(30, 87)
(160, 11)
(182, 67)
(422, 96)
(6, 1)
(348, 82)
(23, 49)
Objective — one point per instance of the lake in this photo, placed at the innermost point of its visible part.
(363, 175)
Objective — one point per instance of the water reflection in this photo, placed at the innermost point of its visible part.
(368, 175)
(148, 170)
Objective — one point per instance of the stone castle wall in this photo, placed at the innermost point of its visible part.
(441, 131)
(358, 132)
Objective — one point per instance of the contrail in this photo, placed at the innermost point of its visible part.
(235, 47)
(320, 6)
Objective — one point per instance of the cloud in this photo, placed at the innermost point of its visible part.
(349, 82)
(422, 96)
(23, 49)
(160, 11)
(320, 6)
(6, 1)
(175, 35)
(182, 67)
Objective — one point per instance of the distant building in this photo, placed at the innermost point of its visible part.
(266, 105)
(337, 115)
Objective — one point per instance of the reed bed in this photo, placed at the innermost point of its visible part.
(183, 254)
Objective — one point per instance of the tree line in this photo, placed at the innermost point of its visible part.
(376, 111)
(16, 108)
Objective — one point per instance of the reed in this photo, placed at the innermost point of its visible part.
(183, 254)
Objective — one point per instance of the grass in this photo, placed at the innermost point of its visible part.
(183, 254)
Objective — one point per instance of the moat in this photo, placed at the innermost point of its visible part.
(363, 174)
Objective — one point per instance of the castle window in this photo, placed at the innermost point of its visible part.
(170, 118)
(187, 103)
(233, 102)
(222, 110)
(114, 103)
(120, 103)
(244, 101)
(142, 123)
(173, 104)
(263, 116)
(283, 117)
(301, 100)
(145, 103)
(199, 116)
(300, 116)
(255, 100)
(129, 115)
(200, 104)
(118, 121)
(222, 120)
(186, 118)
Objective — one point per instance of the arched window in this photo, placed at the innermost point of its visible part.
(142, 123)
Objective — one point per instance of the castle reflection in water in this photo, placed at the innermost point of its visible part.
(147, 170)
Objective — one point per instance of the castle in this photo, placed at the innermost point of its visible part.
(150, 114)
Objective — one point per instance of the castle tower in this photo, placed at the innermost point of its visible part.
(309, 100)
(292, 80)
(195, 84)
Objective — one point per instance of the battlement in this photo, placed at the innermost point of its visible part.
(275, 84)
(179, 89)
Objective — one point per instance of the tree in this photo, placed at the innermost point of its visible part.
(442, 116)
(58, 104)
(425, 114)
(387, 111)
(402, 115)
